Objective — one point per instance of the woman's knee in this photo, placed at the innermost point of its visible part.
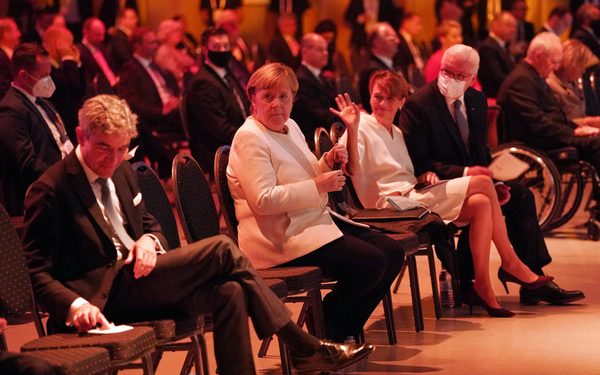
(478, 204)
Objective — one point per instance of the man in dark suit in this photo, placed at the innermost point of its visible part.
(436, 143)
(496, 59)
(316, 92)
(585, 17)
(9, 40)
(32, 135)
(383, 45)
(96, 60)
(525, 29)
(120, 49)
(216, 105)
(411, 56)
(153, 95)
(284, 46)
(559, 20)
(95, 254)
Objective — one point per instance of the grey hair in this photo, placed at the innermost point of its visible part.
(107, 114)
(544, 42)
(460, 54)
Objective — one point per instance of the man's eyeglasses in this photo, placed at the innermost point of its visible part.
(455, 76)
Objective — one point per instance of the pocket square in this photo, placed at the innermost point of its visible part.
(137, 199)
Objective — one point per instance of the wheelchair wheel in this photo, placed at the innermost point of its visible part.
(573, 178)
(542, 179)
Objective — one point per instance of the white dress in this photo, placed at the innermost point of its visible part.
(385, 169)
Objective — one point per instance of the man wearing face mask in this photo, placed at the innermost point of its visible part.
(32, 134)
(216, 105)
(445, 128)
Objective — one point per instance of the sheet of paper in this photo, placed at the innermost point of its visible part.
(345, 219)
(112, 329)
(508, 167)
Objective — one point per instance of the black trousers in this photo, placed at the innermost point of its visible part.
(22, 364)
(208, 276)
(524, 233)
(365, 263)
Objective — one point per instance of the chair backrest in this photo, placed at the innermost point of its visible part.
(322, 142)
(193, 199)
(157, 202)
(336, 131)
(225, 198)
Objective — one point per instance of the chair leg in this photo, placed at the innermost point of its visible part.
(186, 368)
(316, 314)
(196, 348)
(437, 305)
(286, 366)
(204, 353)
(147, 364)
(264, 346)
(399, 279)
(415, 293)
(388, 310)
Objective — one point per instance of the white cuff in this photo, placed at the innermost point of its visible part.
(157, 245)
(75, 305)
(465, 171)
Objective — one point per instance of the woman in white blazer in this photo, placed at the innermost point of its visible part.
(280, 193)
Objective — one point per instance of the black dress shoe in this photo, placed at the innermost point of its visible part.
(331, 356)
(550, 293)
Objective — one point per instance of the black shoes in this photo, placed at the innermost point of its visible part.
(472, 298)
(332, 356)
(550, 293)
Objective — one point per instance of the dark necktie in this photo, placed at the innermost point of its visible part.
(463, 124)
(53, 116)
(113, 217)
(239, 95)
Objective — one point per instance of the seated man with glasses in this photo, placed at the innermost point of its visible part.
(445, 128)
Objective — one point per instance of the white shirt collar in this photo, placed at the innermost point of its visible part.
(386, 60)
(406, 36)
(144, 61)
(501, 42)
(315, 71)
(220, 71)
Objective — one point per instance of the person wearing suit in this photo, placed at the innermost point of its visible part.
(210, 10)
(280, 194)
(411, 56)
(316, 92)
(436, 143)
(127, 21)
(153, 95)
(586, 15)
(525, 29)
(32, 135)
(216, 105)
(559, 20)
(284, 46)
(95, 254)
(9, 40)
(383, 45)
(496, 59)
(101, 75)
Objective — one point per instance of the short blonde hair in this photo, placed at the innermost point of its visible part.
(576, 54)
(271, 76)
(107, 114)
(166, 27)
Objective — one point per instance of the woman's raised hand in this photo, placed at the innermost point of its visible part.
(330, 181)
(348, 111)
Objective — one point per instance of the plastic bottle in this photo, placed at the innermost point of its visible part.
(446, 293)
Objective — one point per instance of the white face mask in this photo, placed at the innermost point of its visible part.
(451, 88)
(43, 88)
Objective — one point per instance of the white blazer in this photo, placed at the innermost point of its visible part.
(281, 214)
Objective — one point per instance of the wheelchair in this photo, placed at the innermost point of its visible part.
(557, 179)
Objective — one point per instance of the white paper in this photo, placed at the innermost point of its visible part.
(346, 220)
(112, 329)
(508, 167)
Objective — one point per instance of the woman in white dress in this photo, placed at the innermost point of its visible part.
(380, 166)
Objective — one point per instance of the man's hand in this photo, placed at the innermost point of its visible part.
(87, 317)
(144, 252)
(585, 131)
(503, 192)
(428, 178)
(477, 170)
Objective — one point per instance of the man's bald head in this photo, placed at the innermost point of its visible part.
(314, 50)
(505, 26)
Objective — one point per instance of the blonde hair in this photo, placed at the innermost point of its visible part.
(270, 76)
(166, 27)
(576, 54)
(445, 26)
(107, 114)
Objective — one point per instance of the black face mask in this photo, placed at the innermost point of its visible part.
(219, 58)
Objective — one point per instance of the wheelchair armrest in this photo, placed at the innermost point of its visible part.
(564, 154)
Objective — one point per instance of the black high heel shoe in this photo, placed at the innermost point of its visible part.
(472, 298)
(506, 277)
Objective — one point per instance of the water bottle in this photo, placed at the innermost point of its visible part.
(446, 293)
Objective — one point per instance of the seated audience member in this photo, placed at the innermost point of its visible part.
(496, 59)
(563, 82)
(153, 94)
(96, 257)
(336, 67)
(96, 60)
(295, 8)
(42, 20)
(448, 33)
(445, 129)
(316, 92)
(211, 9)
(9, 40)
(21, 364)
(188, 43)
(380, 167)
(382, 45)
(284, 46)
(127, 21)
(168, 57)
(280, 193)
(587, 15)
(32, 134)
(216, 104)
(559, 20)
(412, 55)
(67, 75)
(525, 29)
(447, 10)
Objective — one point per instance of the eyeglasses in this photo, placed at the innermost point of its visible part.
(455, 76)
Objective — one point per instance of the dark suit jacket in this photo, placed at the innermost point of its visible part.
(388, 12)
(27, 148)
(405, 60)
(496, 63)
(589, 39)
(528, 30)
(70, 91)
(432, 136)
(363, 80)
(95, 80)
(138, 89)
(530, 112)
(311, 108)
(119, 48)
(214, 115)
(5, 74)
(280, 52)
(67, 242)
